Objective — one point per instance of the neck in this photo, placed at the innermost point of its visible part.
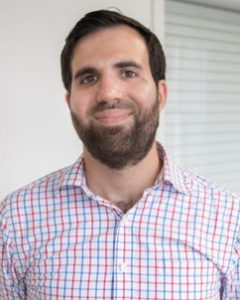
(122, 187)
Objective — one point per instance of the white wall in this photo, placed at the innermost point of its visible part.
(36, 135)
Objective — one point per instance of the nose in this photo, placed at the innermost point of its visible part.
(109, 89)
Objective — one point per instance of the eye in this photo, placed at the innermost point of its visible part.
(129, 74)
(88, 79)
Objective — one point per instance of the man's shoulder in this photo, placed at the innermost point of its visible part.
(42, 188)
(199, 187)
(47, 181)
(192, 185)
(197, 181)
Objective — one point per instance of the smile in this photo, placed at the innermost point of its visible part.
(112, 116)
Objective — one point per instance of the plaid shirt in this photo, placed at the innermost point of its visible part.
(60, 241)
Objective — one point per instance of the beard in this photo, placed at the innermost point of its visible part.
(119, 146)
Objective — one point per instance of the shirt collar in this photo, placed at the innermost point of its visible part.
(170, 174)
(74, 175)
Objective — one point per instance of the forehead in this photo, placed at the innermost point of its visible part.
(118, 42)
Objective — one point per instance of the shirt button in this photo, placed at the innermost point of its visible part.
(123, 267)
(125, 220)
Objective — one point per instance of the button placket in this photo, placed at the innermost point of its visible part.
(123, 245)
(123, 250)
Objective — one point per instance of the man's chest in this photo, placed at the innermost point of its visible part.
(114, 262)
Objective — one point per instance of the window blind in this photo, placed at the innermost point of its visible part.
(202, 117)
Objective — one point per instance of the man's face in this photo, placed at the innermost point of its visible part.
(114, 100)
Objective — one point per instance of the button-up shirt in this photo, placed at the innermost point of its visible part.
(58, 240)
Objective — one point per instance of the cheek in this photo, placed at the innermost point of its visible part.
(79, 104)
(145, 95)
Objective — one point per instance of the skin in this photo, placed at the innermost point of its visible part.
(110, 65)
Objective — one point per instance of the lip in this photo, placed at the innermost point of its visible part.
(112, 116)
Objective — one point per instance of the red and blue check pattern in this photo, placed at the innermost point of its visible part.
(60, 241)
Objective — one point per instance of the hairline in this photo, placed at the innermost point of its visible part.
(156, 56)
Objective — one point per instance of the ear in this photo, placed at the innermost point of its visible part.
(67, 99)
(162, 93)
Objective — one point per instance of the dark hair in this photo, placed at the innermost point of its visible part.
(100, 19)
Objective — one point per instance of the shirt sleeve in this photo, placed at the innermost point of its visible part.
(11, 286)
(233, 290)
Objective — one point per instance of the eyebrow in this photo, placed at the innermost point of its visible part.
(127, 63)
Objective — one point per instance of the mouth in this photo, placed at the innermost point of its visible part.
(112, 116)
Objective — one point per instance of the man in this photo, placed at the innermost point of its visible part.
(123, 222)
